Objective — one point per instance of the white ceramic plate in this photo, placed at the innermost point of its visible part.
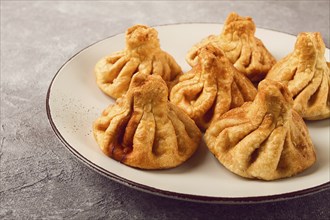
(74, 102)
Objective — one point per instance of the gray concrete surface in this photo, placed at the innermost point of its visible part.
(40, 178)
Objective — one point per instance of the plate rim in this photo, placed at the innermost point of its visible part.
(161, 192)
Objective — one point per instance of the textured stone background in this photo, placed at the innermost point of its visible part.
(39, 177)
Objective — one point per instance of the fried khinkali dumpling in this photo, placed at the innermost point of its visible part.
(211, 88)
(142, 54)
(307, 75)
(144, 130)
(264, 139)
(246, 52)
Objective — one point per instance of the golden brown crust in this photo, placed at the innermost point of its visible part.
(264, 139)
(144, 130)
(142, 54)
(307, 75)
(211, 88)
(246, 52)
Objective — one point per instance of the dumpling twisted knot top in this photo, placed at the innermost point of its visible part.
(264, 139)
(141, 55)
(307, 75)
(143, 129)
(211, 88)
(246, 52)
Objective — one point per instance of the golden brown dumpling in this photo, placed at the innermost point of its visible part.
(211, 88)
(264, 139)
(142, 54)
(307, 75)
(143, 129)
(246, 52)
